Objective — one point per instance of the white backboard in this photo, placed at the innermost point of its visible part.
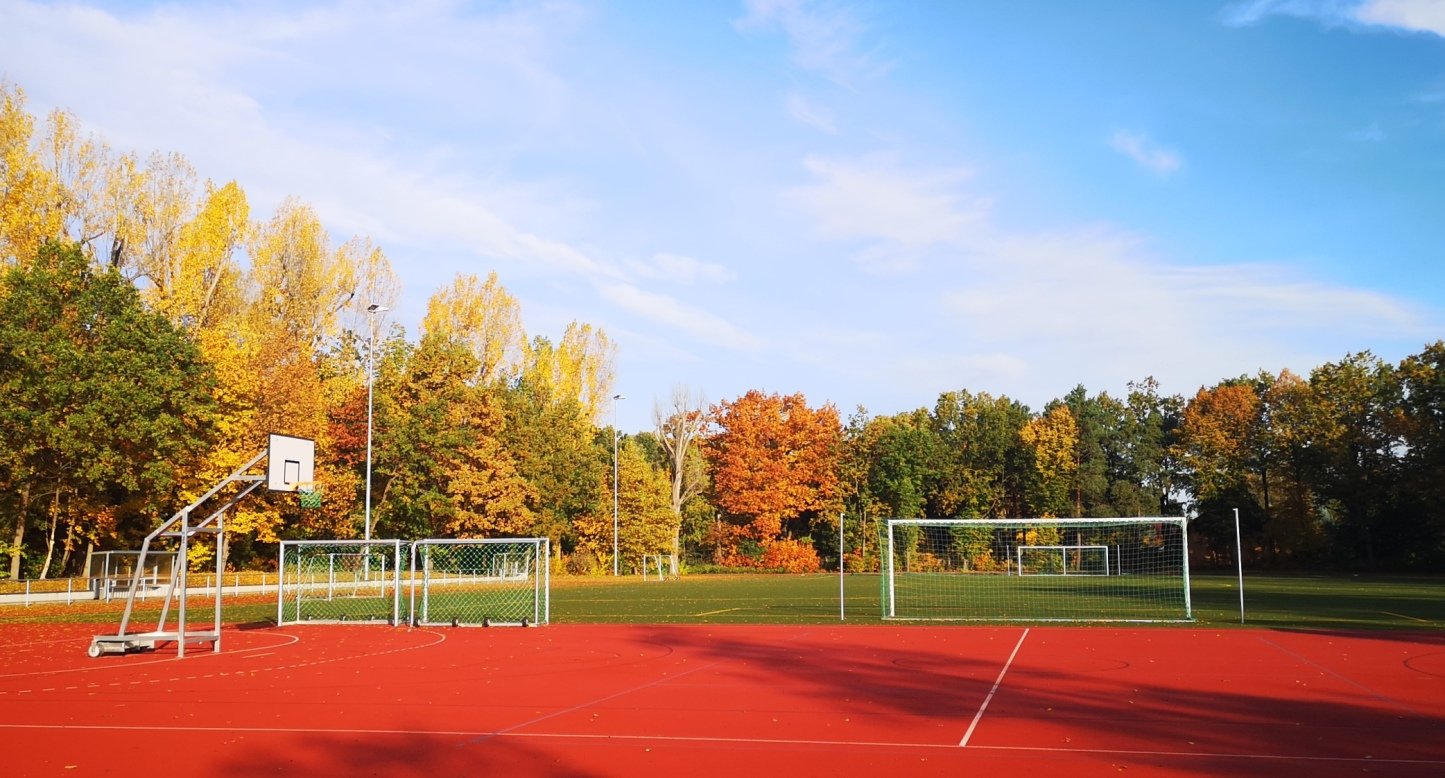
(289, 461)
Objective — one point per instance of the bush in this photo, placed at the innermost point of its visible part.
(790, 556)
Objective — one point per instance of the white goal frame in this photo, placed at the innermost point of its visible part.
(1063, 558)
(483, 582)
(967, 570)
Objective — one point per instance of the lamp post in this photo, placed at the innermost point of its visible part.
(371, 311)
(615, 398)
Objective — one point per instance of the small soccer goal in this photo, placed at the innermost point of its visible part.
(1062, 560)
(334, 581)
(657, 567)
(1125, 569)
(481, 582)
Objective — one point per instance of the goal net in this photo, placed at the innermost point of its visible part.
(482, 582)
(1126, 569)
(330, 581)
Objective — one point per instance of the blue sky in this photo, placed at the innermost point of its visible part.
(869, 203)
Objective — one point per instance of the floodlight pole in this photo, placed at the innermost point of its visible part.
(371, 311)
(615, 398)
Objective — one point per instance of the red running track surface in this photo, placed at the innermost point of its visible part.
(598, 700)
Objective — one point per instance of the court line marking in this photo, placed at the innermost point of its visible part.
(714, 613)
(107, 666)
(709, 739)
(440, 638)
(1350, 681)
(1403, 616)
(977, 717)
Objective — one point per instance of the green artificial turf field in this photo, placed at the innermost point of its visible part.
(1282, 601)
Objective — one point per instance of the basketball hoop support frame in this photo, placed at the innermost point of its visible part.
(181, 528)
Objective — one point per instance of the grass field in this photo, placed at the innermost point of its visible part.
(1299, 602)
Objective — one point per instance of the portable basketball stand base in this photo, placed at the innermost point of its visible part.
(291, 461)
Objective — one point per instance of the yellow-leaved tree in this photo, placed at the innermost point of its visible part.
(28, 192)
(1053, 438)
(487, 319)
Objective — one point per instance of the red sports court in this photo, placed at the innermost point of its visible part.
(596, 700)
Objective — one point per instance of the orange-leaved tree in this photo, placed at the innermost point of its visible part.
(774, 467)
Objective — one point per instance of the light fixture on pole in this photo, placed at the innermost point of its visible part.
(371, 311)
(615, 398)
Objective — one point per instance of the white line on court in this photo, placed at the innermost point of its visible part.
(413, 732)
(1350, 681)
(102, 665)
(1001, 673)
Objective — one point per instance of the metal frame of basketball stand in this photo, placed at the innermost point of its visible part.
(214, 524)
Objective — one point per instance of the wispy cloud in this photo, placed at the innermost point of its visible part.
(679, 317)
(1146, 153)
(1099, 304)
(680, 269)
(806, 112)
(1426, 16)
(825, 37)
(894, 211)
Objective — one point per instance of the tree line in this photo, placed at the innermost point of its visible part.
(152, 332)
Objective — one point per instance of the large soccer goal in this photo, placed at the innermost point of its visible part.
(481, 582)
(330, 581)
(1125, 569)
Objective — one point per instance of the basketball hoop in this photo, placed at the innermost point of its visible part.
(309, 493)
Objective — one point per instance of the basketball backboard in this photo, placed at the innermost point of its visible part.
(290, 462)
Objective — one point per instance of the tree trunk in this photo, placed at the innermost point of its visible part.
(18, 540)
(69, 546)
(50, 537)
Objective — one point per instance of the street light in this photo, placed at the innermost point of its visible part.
(371, 311)
(615, 398)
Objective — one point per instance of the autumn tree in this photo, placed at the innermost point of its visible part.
(1052, 438)
(28, 192)
(773, 465)
(102, 403)
(678, 431)
(487, 318)
(1422, 418)
(646, 523)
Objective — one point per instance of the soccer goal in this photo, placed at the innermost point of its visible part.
(1062, 560)
(481, 582)
(655, 567)
(331, 581)
(1125, 569)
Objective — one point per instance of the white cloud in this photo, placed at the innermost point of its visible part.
(1015, 308)
(1146, 153)
(1096, 304)
(896, 212)
(1427, 16)
(805, 112)
(1415, 15)
(679, 317)
(681, 269)
(826, 37)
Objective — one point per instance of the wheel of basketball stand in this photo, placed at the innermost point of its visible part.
(456, 622)
(486, 622)
(524, 622)
(94, 651)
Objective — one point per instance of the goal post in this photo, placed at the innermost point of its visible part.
(333, 581)
(481, 582)
(1117, 569)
